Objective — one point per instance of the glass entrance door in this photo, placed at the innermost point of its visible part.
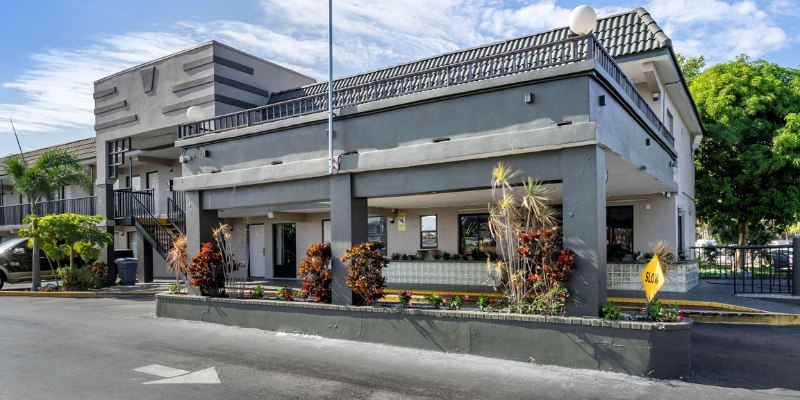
(285, 244)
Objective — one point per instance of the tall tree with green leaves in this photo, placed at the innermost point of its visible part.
(748, 165)
(40, 181)
(690, 66)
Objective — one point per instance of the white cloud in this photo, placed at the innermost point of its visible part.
(720, 30)
(55, 102)
(56, 94)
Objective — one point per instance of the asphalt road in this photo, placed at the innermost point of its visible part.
(89, 348)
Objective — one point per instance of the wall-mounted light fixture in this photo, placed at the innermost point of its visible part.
(393, 216)
(602, 100)
(529, 98)
(642, 168)
(674, 165)
(656, 96)
(680, 210)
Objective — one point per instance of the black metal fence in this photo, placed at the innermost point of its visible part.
(753, 269)
(14, 215)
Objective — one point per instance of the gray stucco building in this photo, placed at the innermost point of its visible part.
(605, 119)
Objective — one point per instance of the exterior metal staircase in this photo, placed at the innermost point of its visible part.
(137, 208)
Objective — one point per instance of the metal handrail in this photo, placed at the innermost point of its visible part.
(14, 214)
(142, 215)
(123, 201)
(175, 211)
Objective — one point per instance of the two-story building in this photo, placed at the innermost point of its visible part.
(604, 119)
(14, 207)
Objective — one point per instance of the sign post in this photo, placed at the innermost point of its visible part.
(652, 278)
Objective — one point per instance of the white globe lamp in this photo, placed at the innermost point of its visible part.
(582, 20)
(195, 114)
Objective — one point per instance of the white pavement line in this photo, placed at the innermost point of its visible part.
(162, 371)
(206, 376)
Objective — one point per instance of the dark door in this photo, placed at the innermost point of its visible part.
(285, 245)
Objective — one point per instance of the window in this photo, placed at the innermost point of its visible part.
(619, 232)
(429, 235)
(474, 235)
(115, 151)
(376, 232)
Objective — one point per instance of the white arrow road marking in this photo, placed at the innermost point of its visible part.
(205, 376)
(162, 371)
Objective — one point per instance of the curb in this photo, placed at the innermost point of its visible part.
(77, 295)
(688, 303)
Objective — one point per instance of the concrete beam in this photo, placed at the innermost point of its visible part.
(301, 191)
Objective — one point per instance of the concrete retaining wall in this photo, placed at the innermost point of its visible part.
(661, 350)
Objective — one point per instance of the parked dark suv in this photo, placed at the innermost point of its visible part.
(16, 262)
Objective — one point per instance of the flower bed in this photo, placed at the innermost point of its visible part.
(660, 350)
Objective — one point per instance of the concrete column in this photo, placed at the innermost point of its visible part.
(104, 190)
(584, 216)
(348, 227)
(199, 224)
(144, 270)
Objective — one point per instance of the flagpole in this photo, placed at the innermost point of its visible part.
(330, 87)
(21, 154)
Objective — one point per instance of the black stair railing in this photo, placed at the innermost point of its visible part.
(141, 214)
(175, 211)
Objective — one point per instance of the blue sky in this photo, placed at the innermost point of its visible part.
(52, 51)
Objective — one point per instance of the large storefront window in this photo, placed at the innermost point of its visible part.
(619, 232)
(376, 232)
(474, 236)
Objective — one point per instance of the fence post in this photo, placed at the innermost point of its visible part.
(795, 266)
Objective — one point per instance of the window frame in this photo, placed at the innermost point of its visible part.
(435, 232)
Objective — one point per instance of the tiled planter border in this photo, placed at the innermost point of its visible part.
(627, 276)
(660, 350)
(467, 273)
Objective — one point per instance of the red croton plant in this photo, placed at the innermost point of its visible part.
(206, 269)
(366, 265)
(316, 274)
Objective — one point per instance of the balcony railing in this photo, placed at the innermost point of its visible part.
(126, 199)
(176, 206)
(572, 50)
(13, 215)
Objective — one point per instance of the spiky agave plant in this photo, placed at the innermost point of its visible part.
(177, 260)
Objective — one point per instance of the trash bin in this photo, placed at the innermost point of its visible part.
(126, 268)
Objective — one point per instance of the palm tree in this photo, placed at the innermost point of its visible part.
(41, 180)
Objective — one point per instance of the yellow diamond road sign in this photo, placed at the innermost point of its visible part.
(652, 278)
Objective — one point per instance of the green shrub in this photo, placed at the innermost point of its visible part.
(257, 292)
(434, 299)
(173, 288)
(610, 311)
(483, 302)
(405, 298)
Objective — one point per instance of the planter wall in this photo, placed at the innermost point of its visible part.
(660, 350)
(467, 273)
(627, 276)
